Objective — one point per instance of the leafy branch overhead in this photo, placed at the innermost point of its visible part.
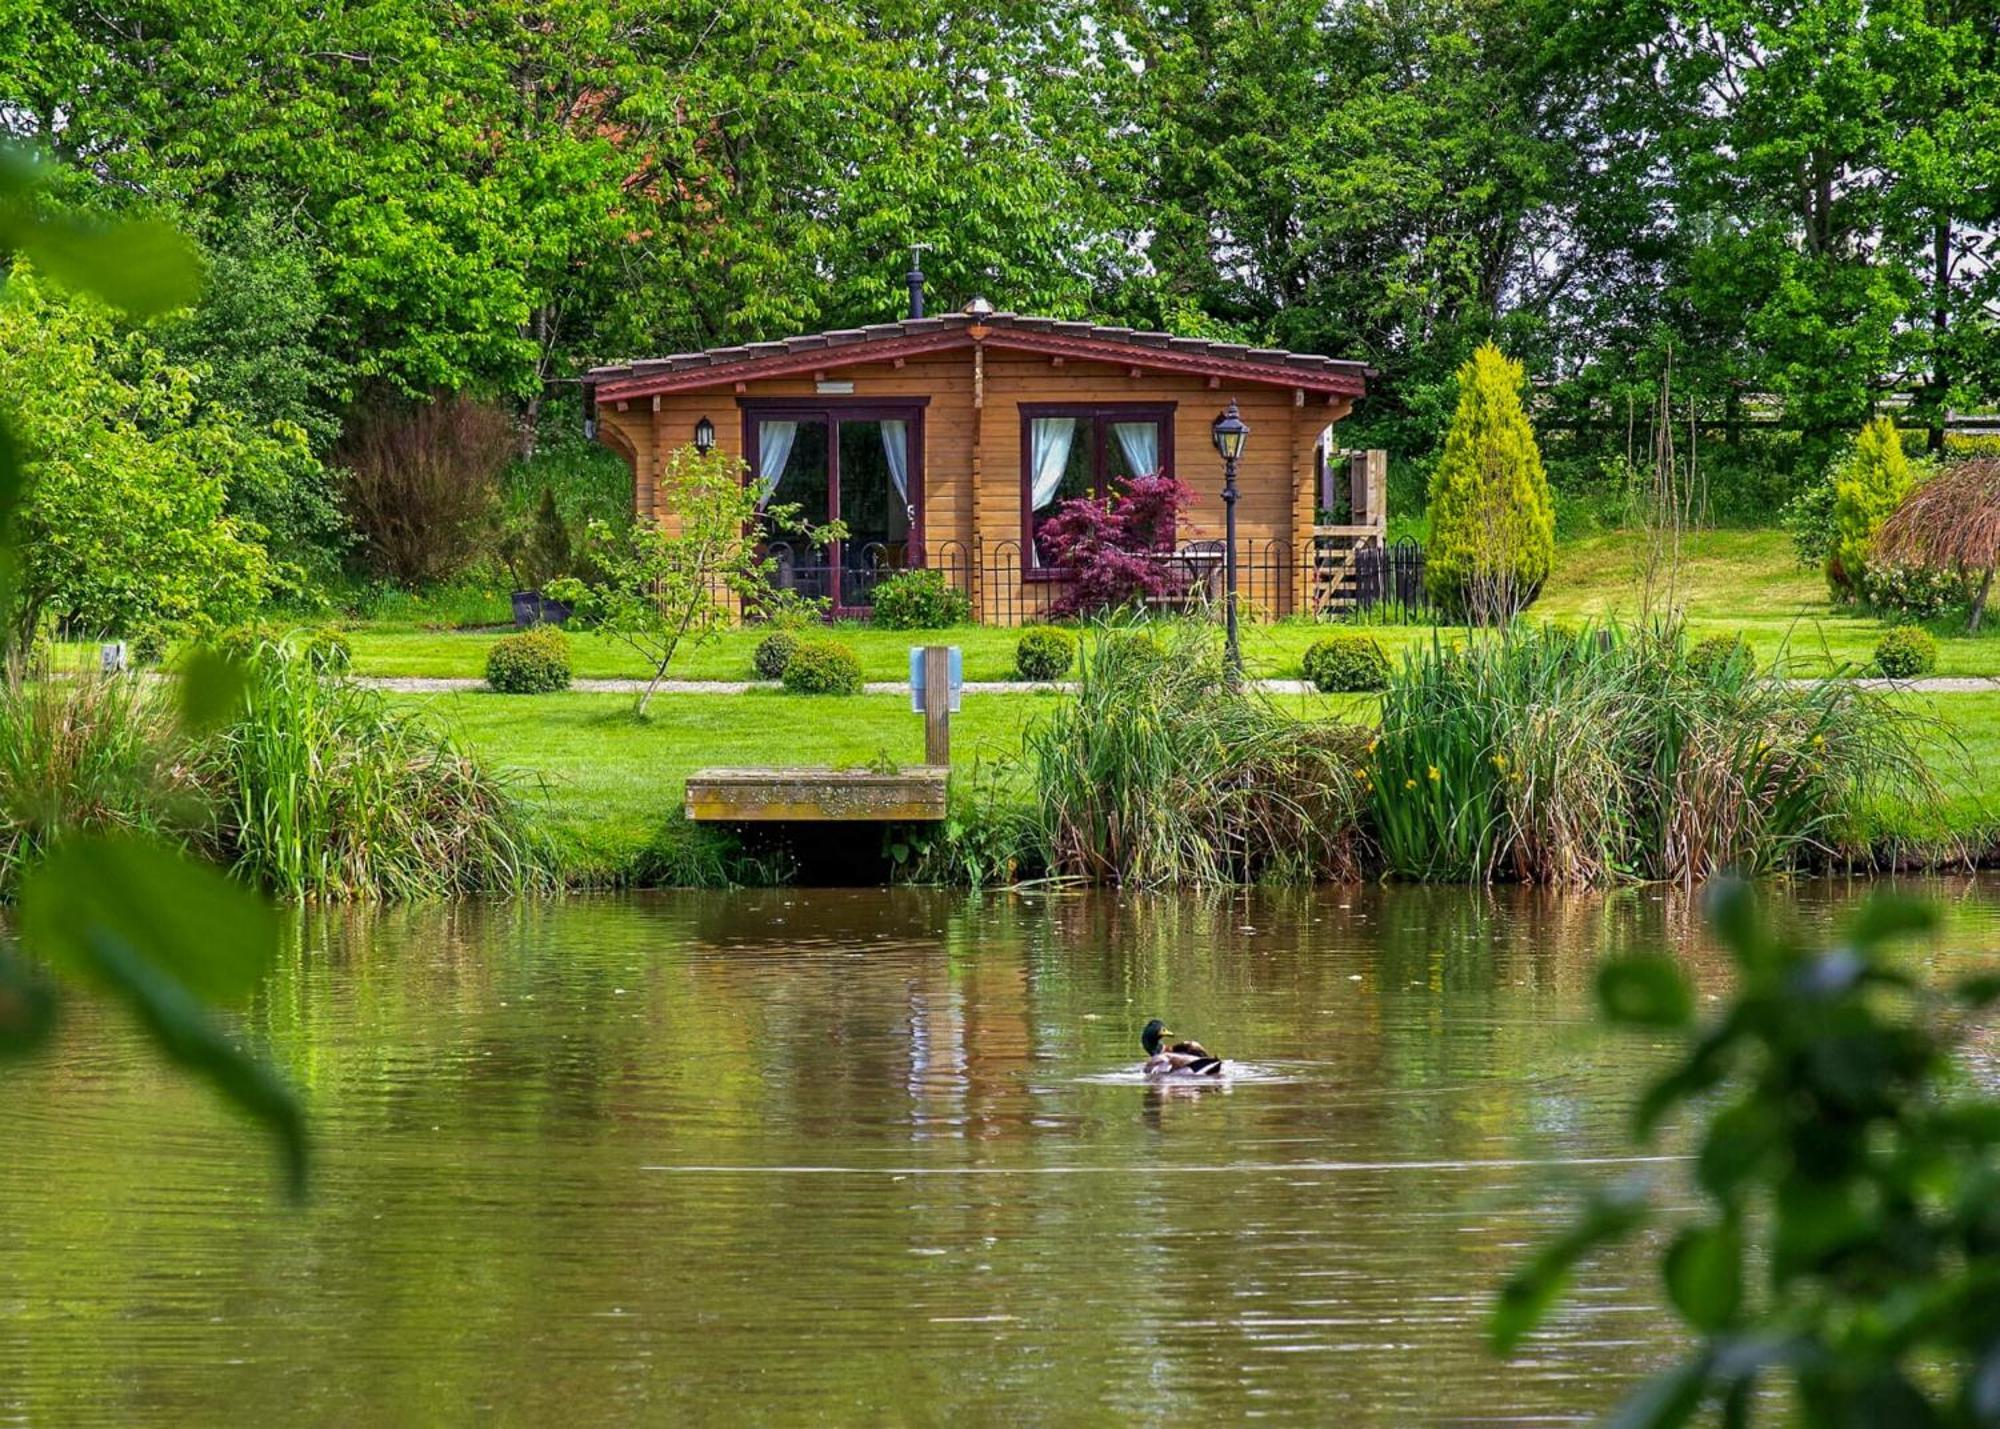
(1847, 1244)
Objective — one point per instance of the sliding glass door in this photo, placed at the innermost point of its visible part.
(859, 463)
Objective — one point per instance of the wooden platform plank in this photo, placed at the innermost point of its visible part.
(816, 795)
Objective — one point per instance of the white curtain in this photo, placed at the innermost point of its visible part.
(896, 451)
(1048, 454)
(1140, 441)
(774, 449)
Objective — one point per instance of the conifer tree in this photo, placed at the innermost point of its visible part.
(1492, 524)
(1870, 482)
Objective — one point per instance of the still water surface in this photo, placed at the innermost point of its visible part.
(862, 1156)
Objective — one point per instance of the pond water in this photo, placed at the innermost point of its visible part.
(862, 1155)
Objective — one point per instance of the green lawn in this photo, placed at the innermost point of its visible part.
(1741, 581)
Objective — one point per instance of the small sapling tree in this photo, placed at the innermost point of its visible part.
(677, 583)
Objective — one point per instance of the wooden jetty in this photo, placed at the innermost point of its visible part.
(817, 795)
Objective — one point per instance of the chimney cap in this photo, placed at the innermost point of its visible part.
(979, 308)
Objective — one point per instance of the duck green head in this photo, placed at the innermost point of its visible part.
(1149, 1038)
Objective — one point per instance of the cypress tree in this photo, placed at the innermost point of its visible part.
(1870, 482)
(1492, 525)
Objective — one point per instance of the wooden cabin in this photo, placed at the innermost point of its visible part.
(947, 441)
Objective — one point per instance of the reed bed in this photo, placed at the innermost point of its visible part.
(1156, 774)
(324, 790)
(89, 755)
(1568, 758)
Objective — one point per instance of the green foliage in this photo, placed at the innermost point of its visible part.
(535, 662)
(1912, 592)
(1573, 759)
(919, 600)
(1491, 541)
(773, 653)
(1870, 480)
(322, 789)
(1157, 774)
(87, 756)
(1044, 652)
(1845, 1170)
(122, 521)
(1808, 517)
(537, 549)
(664, 585)
(1721, 657)
(1347, 664)
(823, 667)
(1906, 652)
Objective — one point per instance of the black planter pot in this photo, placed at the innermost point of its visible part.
(531, 607)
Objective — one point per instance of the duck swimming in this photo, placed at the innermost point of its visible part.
(1178, 1059)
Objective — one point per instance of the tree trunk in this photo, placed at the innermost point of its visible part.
(1940, 323)
(1979, 602)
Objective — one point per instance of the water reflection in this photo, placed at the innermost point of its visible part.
(796, 1155)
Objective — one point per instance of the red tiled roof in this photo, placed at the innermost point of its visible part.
(683, 371)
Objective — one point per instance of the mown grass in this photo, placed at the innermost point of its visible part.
(608, 781)
(1731, 581)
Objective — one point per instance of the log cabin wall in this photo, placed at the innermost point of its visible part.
(972, 454)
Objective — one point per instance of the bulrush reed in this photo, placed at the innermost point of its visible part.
(1155, 774)
(1583, 757)
(323, 789)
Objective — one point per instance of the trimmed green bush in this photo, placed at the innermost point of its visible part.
(535, 662)
(774, 652)
(919, 600)
(823, 667)
(1906, 652)
(1718, 656)
(1347, 664)
(1492, 536)
(328, 651)
(1867, 485)
(1044, 653)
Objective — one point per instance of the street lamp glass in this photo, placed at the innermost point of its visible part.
(1230, 432)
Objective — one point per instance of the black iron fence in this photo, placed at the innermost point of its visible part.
(1318, 579)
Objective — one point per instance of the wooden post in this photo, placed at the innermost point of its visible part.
(937, 704)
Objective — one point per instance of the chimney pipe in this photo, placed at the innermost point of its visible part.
(915, 278)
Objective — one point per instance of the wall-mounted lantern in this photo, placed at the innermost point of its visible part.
(704, 436)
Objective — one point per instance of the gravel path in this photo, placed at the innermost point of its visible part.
(413, 684)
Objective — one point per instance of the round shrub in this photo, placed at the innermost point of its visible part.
(919, 600)
(328, 651)
(1128, 646)
(1347, 664)
(1044, 653)
(535, 662)
(774, 652)
(147, 645)
(1717, 656)
(1906, 652)
(823, 667)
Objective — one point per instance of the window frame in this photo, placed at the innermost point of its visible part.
(1101, 416)
(833, 411)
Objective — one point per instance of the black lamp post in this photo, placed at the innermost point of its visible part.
(1230, 432)
(704, 436)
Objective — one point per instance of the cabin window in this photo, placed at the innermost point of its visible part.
(858, 462)
(1071, 450)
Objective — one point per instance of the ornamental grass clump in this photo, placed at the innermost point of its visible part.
(323, 789)
(1583, 759)
(89, 755)
(1157, 774)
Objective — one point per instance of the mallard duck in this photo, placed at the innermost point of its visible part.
(1178, 1059)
